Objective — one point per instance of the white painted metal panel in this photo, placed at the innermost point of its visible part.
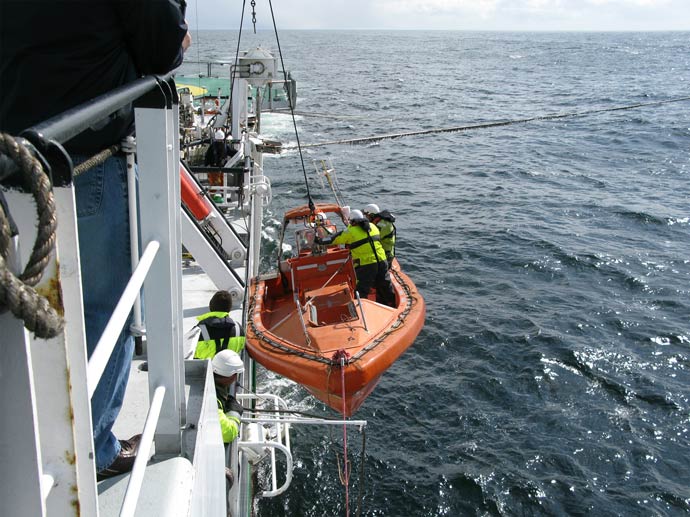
(159, 193)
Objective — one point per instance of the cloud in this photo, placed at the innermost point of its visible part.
(453, 14)
(634, 3)
(438, 6)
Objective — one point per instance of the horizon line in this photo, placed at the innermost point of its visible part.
(445, 30)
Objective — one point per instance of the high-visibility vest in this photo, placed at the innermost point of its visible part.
(362, 244)
(387, 230)
(229, 418)
(218, 332)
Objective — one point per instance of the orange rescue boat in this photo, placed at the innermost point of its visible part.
(307, 323)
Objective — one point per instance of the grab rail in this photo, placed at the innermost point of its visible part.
(361, 310)
(295, 295)
(106, 344)
(280, 435)
(70, 123)
(288, 468)
(136, 478)
(280, 441)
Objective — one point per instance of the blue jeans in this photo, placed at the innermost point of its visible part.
(103, 223)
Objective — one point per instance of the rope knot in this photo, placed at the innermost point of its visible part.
(340, 357)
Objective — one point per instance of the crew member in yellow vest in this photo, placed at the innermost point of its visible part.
(364, 241)
(227, 365)
(383, 220)
(218, 330)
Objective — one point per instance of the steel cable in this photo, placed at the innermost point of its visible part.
(456, 129)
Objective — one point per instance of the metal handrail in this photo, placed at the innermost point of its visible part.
(70, 123)
(104, 348)
(295, 295)
(288, 457)
(305, 421)
(136, 478)
(361, 310)
(280, 441)
(280, 422)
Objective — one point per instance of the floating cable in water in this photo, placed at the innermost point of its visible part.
(379, 138)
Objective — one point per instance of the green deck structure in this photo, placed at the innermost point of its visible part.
(205, 86)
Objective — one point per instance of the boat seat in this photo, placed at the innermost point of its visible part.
(331, 304)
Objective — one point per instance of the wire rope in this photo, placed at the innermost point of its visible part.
(456, 129)
(292, 108)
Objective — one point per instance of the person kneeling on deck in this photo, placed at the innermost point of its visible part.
(218, 330)
(227, 365)
(364, 241)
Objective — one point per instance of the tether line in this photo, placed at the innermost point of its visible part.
(392, 136)
(292, 108)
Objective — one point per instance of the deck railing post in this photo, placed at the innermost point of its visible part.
(159, 194)
(19, 445)
(47, 429)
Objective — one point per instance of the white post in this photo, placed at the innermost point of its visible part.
(20, 453)
(239, 105)
(129, 147)
(56, 393)
(159, 194)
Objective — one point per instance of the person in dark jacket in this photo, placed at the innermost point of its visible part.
(55, 55)
(218, 151)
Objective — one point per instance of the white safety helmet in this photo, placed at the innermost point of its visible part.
(356, 215)
(371, 208)
(219, 135)
(227, 363)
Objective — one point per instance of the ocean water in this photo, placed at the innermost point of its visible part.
(553, 374)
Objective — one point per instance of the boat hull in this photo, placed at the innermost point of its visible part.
(340, 360)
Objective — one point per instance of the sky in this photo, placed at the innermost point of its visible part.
(523, 15)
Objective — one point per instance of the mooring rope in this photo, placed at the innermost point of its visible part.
(17, 293)
(456, 129)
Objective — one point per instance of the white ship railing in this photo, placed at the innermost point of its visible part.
(53, 471)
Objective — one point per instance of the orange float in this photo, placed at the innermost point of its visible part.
(193, 197)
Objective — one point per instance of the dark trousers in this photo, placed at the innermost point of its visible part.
(376, 275)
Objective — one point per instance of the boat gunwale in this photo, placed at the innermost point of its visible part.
(260, 331)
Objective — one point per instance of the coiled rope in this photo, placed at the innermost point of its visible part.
(16, 292)
(456, 129)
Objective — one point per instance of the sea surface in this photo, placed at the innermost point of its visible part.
(553, 374)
